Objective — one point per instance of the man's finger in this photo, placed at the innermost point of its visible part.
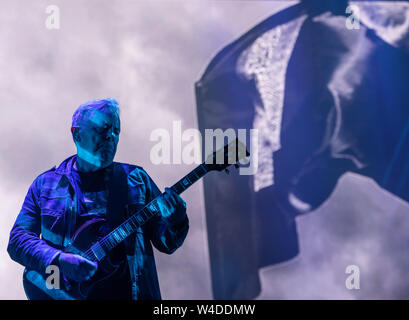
(86, 275)
(86, 262)
(169, 200)
(93, 272)
(92, 268)
(172, 195)
(178, 200)
(173, 199)
(166, 202)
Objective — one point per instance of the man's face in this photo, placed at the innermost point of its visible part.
(99, 138)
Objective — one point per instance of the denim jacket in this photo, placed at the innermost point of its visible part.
(47, 222)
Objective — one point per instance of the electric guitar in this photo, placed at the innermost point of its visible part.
(89, 243)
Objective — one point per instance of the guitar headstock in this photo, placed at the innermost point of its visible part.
(229, 155)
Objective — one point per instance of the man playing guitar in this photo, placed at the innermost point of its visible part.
(84, 190)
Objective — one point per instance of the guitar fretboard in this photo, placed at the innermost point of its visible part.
(138, 219)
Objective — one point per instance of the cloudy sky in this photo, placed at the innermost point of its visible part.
(147, 55)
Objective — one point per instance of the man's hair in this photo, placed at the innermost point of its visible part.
(84, 111)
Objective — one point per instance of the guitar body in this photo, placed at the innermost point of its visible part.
(108, 272)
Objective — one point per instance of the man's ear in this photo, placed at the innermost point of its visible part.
(75, 134)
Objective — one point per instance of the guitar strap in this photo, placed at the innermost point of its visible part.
(116, 214)
(118, 195)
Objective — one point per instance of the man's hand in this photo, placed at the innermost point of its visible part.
(171, 206)
(76, 267)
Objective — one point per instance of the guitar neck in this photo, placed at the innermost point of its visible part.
(189, 179)
(138, 219)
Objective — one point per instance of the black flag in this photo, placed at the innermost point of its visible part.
(326, 88)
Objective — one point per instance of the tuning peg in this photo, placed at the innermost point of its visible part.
(236, 165)
(227, 171)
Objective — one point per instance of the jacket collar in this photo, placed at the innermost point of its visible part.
(65, 167)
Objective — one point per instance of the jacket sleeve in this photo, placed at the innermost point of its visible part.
(25, 245)
(165, 235)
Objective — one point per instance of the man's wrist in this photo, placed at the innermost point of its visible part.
(55, 260)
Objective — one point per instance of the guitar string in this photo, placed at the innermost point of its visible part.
(106, 240)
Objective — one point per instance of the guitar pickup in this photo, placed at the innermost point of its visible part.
(98, 251)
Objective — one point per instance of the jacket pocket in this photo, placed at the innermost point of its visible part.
(54, 202)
